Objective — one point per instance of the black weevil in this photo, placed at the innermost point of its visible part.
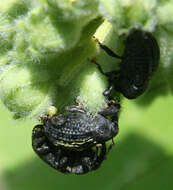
(138, 63)
(74, 142)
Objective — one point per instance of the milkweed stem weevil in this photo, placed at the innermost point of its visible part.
(74, 142)
(77, 130)
(138, 63)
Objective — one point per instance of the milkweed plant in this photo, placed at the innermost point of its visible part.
(46, 45)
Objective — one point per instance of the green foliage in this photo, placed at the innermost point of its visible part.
(45, 46)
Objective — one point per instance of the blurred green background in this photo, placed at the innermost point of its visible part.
(141, 159)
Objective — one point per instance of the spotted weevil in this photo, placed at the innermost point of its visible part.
(75, 142)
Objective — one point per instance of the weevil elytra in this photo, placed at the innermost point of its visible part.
(138, 63)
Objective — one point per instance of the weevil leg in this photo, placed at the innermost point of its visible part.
(93, 60)
(100, 158)
(106, 49)
(111, 145)
(63, 162)
(108, 74)
(43, 149)
(79, 104)
(111, 110)
(96, 153)
(108, 91)
(78, 170)
(39, 140)
(37, 131)
(74, 109)
(87, 164)
(53, 158)
(115, 74)
(50, 159)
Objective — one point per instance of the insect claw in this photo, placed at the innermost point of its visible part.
(111, 145)
(42, 118)
(78, 103)
(97, 40)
